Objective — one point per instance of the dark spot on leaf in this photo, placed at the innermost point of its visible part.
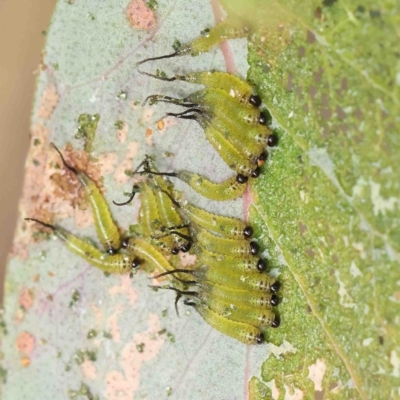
(289, 85)
(302, 51)
(302, 228)
(318, 75)
(310, 252)
(375, 14)
(380, 339)
(325, 113)
(340, 113)
(318, 13)
(328, 3)
(333, 385)
(325, 100)
(319, 395)
(310, 37)
(313, 91)
(358, 114)
(360, 9)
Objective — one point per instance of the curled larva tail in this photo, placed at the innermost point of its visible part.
(106, 228)
(110, 263)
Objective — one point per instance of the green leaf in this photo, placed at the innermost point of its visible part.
(328, 207)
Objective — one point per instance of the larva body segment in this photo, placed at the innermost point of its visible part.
(241, 264)
(230, 277)
(218, 244)
(243, 332)
(150, 220)
(217, 101)
(237, 88)
(169, 215)
(220, 140)
(144, 251)
(249, 149)
(227, 29)
(261, 318)
(225, 226)
(239, 297)
(227, 190)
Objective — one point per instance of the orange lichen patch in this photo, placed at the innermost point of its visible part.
(126, 165)
(25, 298)
(149, 132)
(107, 163)
(48, 102)
(122, 134)
(113, 325)
(88, 369)
(25, 361)
(125, 287)
(166, 123)
(140, 15)
(25, 343)
(51, 190)
(124, 385)
(160, 124)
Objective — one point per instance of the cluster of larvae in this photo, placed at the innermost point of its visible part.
(228, 285)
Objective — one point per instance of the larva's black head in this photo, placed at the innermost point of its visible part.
(256, 172)
(274, 300)
(272, 140)
(262, 119)
(125, 243)
(248, 232)
(255, 100)
(275, 287)
(186, 247)
(262, 157)
(260, 338)
(175, 250)
(254, 248)
(135, 263)
(241, 178)
(276, 322)
(261, 265)
(111, 251)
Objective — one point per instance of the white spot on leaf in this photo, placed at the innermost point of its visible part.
(355, 272)
(366, 342)
(345, 298)
(316, 373)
